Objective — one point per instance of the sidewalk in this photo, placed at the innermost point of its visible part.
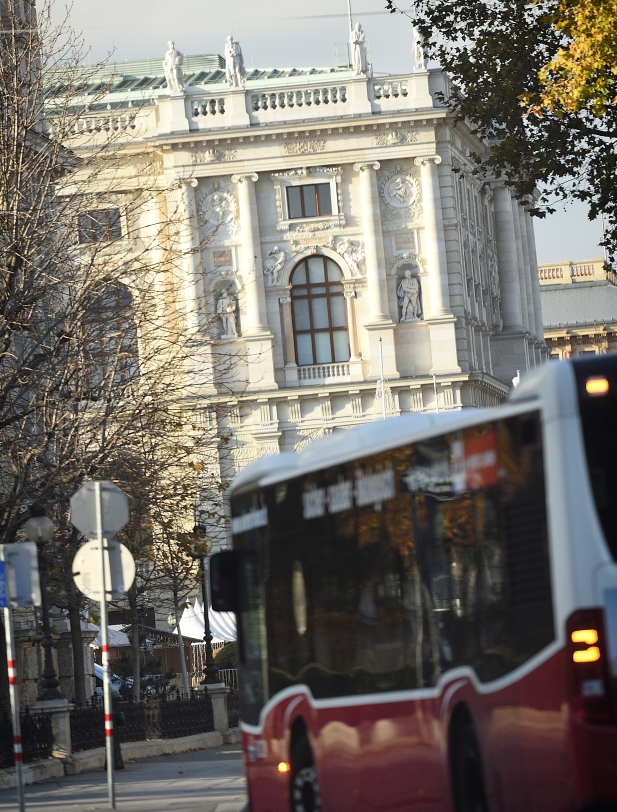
(200, 781)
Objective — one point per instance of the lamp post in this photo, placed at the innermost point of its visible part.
(40, 528)
(200, 550)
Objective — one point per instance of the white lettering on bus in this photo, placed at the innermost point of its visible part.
(249, 521)
(371, 489)
(368, 489)
(314, 503)
(340, 496)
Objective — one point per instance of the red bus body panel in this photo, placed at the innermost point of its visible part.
(393, 755)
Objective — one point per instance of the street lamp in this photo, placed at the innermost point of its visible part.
(200, 550)
(40, 528)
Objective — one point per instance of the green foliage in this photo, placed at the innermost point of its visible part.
(494, 51)
(227, 657)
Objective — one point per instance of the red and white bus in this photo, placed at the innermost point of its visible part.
(427, 608)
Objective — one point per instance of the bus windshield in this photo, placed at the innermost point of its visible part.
(384, 572)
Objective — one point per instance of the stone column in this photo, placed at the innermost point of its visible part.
(507, 262)
(521, 264)
(529, 290)
(257, 335)
(373, 242)
(434, 237)
(252, 271)
(155, 221)
(191, 254)
(289, 349)
(533, 268)
(380, 323)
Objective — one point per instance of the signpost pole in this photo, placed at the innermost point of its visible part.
(109, 719)
(13, 691)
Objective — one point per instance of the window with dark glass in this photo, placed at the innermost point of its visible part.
(319, 314)
(103, 225)
(110, 338)
(312, 200)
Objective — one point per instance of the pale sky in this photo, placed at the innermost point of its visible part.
(277, 33)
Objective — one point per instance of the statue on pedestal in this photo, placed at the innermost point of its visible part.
(172, 65)
(234, 63)
(226, 309)
(359, 55)
(408, 293)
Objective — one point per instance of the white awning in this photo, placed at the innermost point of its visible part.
(115, 637)
(222, 624)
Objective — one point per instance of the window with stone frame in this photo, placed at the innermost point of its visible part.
(101, 225)
(319, 313)
(309, 200)
(110, 339)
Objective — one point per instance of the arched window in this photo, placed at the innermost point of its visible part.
(110, 335)
(319, 313)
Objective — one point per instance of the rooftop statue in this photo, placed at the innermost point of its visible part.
(418, 50)
(359, 57)
(172, 64)
(234, 63)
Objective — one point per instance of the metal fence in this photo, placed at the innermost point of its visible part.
(165, 718)
(36, 737)
(229, 676)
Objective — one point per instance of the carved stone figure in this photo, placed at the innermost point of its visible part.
(274, 265)
(172, 65)
(226, 309)
(418, 50)
(234, 63)
(359, 55)
(353, 255)
(400, 191)
(219, 208)
(408, 293)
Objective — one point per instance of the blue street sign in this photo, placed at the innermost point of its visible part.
(3, 603)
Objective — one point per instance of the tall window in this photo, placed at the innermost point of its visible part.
(319, 314)
(311, 200)
(103, 225)
(110, 336)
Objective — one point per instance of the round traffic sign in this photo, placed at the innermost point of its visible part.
(119, 569)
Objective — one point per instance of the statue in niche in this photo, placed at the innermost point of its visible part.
(359, 55)
(234, 63)
(418, 50)
(274, 265)
(172, 65)
(408, 293)
(353, 256)
(226, 310)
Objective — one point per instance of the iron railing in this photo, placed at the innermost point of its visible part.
(36, 737)
(164, 718)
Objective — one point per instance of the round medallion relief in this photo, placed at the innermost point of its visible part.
(400, 191)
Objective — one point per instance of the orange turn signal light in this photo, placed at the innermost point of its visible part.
(587, 636)
(587, 655)
(283, 767)
(596, 386)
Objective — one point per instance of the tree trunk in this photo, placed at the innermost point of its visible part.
(79, 670)
(135, 644)
(185, 676)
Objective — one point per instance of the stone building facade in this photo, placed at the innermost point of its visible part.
(332, 228)
(579, 305)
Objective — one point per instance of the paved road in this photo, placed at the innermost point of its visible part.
(202, 781)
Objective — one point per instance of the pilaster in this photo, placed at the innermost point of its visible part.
(522, 280)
